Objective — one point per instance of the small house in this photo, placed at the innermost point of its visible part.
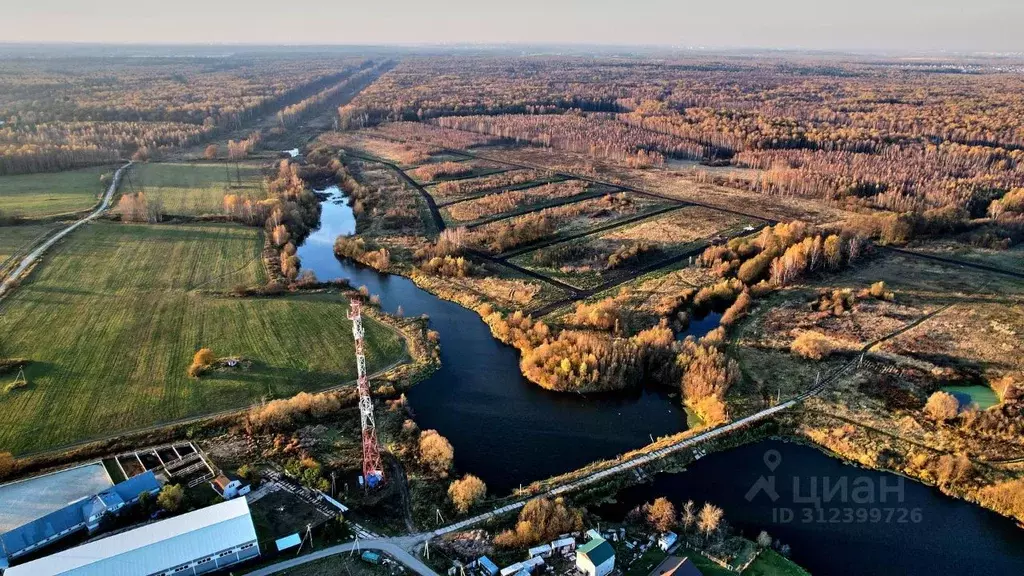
(229, 488)
(596, 557)
(676, 566)
(667, 540)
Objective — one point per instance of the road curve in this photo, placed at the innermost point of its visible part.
(390, 547)
(35, 254)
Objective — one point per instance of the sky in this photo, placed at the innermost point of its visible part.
(872, 25)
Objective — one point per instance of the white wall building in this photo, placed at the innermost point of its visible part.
(186, 545)
(595, 558)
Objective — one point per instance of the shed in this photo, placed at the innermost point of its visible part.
(509, 570)
(595, 558)
(288, 542)
(667, 540)
(540, 550)
(533, 563)
(563, 543)
(488, 566)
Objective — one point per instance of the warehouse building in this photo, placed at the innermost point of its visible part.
(84, 514)
(187, 545)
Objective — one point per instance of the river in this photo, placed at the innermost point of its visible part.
(948, 536)
(505, 429)
(508, 432)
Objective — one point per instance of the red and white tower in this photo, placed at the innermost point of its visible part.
(373, 472)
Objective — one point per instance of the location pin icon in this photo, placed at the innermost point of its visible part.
(772, 459)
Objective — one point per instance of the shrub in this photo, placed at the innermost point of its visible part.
(171, 498)
(280, 414)
(737, 310)
(879, 292)
(812, 345)
(942, 406)
(603, 315)
(466, 492)
(7, 464)
(436, 453)
(202, 360)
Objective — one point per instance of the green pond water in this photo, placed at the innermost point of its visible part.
(983, 396)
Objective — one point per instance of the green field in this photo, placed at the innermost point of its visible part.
(194, 189)
(112, 317)
(16, 239)
(51, 193)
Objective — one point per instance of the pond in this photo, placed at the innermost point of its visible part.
(981, 396)
(925, 533)
(505, 429)
(699, 326)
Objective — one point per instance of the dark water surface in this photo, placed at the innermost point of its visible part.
(943, 536)
(508, 431)
(504, 429)
(701, 325)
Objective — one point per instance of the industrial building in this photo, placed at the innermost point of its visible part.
(194, 543)
(85, 514)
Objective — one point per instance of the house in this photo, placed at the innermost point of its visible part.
(675, 566)
(229, 488)
(667, 540)
(84, 514)
(596, 557)
(194, 543)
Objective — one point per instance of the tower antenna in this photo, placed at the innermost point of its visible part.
(373, 472)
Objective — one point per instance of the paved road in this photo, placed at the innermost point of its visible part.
(35, 254)
(393, 546)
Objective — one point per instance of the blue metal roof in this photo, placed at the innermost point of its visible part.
(288, 542)
(42, 528)
(72, 515)
(133, 487)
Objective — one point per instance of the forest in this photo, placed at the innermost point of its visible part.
(869, 135)
(61, 113)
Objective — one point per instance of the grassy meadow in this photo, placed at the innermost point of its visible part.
(15, 239)
(51, 193)
(194, 189)
(112, 317)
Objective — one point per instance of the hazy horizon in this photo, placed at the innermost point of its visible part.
(868, 26)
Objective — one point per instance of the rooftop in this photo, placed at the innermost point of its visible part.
(598, 550)
(154, 547)
(675, 566)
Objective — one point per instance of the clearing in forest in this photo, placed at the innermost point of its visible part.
(112, 318)
(51, 193)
